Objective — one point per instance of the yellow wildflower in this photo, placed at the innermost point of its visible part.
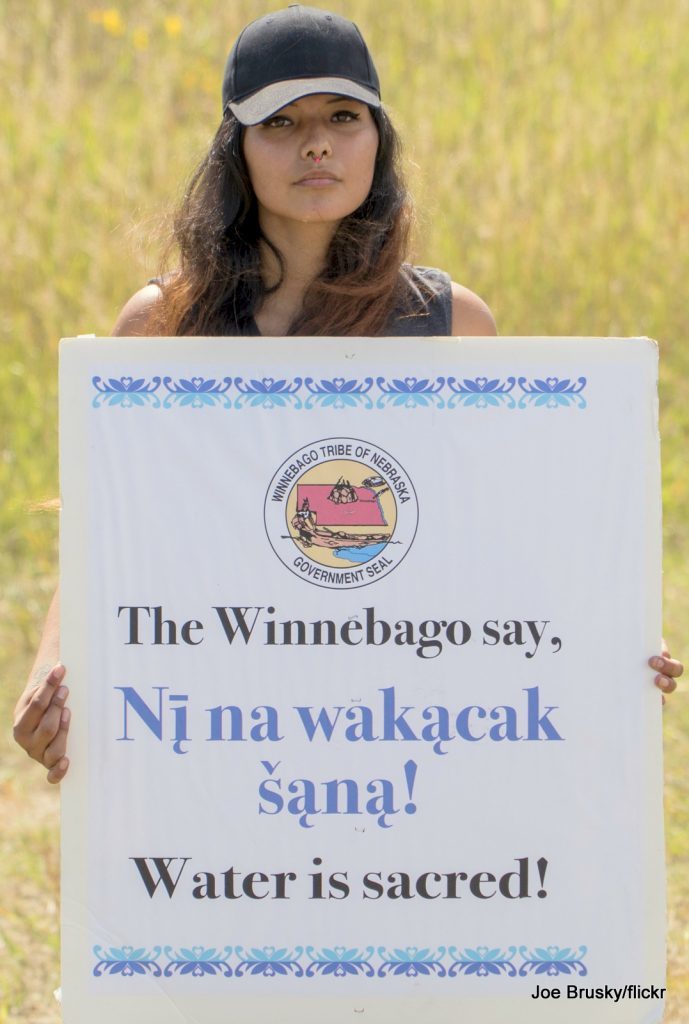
(173, 25)
(140, 38)
(112, 22)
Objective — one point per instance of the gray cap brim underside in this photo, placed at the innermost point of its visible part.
(268, 101)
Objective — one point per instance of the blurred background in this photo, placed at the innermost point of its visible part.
(547, 147)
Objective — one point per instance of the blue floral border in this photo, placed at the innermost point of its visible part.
(340, 961)
(340, 393)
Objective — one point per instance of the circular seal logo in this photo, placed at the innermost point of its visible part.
(341, 513)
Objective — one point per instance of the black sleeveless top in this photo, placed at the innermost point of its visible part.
(429, 313)
(426, 312)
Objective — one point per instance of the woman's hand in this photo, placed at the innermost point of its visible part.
(669, 670)
(41, 721)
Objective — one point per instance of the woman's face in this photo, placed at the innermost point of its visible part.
(313, 161)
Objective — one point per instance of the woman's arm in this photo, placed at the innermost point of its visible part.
(41, 720)
(471, 317)
(135, 315)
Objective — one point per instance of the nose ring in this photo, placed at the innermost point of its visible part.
(316, 159)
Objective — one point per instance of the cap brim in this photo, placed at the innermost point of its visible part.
(262, 104)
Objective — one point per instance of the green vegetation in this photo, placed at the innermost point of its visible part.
(548, 151)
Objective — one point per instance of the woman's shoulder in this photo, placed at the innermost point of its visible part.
(471, 316)
(466, 313)
(136, 315)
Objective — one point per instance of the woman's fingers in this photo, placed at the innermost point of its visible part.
(55, 750)
(665, 683)
(58, 771)
(34, 703)
(669, 670)
(46, 730)
(38, 717)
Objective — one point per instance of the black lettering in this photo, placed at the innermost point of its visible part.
(422, 885)
(373, 884)
(241, 623)
(477, 881)
(250, 882)
(133, 620)
(162, 865)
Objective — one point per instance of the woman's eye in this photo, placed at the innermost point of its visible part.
(346, 115)
(276, 122)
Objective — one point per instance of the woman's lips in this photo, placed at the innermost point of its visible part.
(317, 179)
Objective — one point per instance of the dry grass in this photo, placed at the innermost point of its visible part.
(548, 150)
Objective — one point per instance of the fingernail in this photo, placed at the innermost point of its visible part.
(59, 673)
(657, 663)
(62, 693)
(65, 716)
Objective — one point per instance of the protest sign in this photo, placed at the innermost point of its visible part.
(362, 723)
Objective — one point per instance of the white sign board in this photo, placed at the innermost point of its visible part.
(357, 634)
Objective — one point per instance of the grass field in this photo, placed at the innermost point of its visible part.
(548, 147)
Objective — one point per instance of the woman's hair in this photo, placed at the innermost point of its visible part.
(218, 286)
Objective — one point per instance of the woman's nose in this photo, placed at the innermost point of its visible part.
(316, 146)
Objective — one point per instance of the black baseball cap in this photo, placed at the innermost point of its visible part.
(293, 53)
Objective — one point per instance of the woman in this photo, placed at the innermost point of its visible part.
(296, 222)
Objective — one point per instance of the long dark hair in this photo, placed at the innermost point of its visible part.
(217, 286)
